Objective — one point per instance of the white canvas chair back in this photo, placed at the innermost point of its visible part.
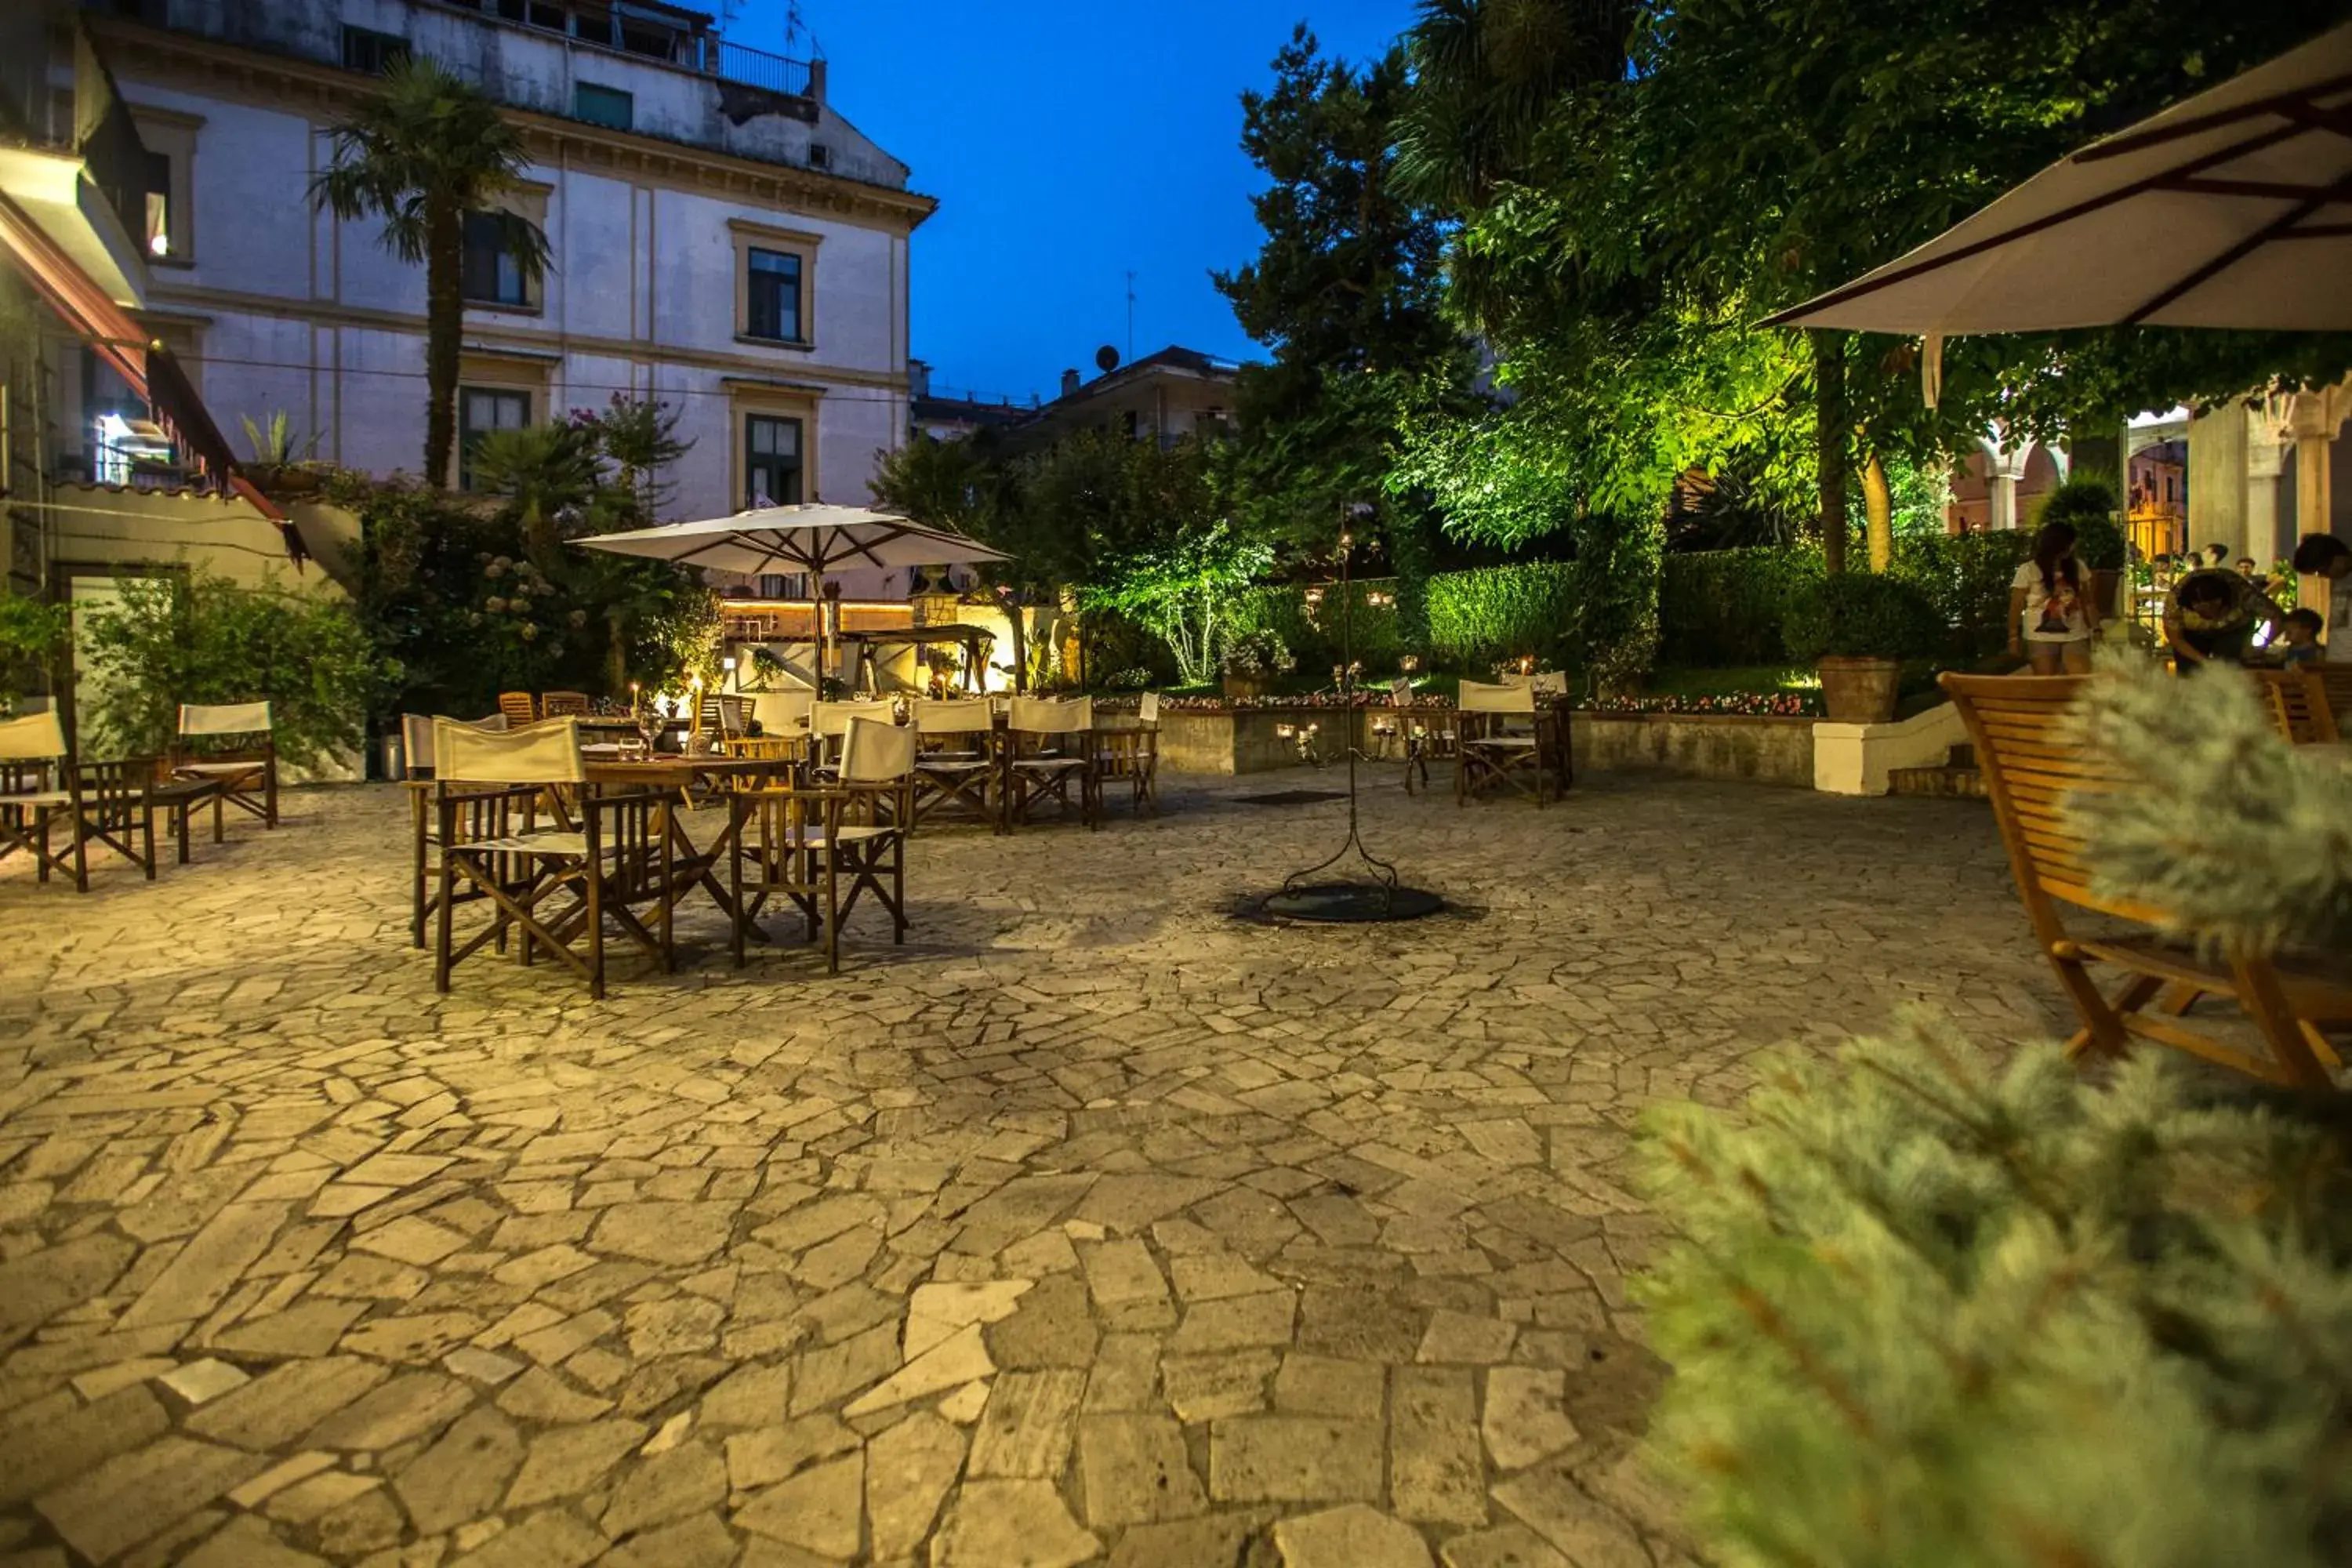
(782, 712)
(416, 733)
(541, 753)
(1147, 709)
(33, 738)
(1477, 697)
(832, 719)
(877, 753)
(1038, 716)
(948, 716)
(1400, 691)
(224, 718)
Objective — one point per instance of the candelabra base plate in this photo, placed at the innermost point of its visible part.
(1352, 903)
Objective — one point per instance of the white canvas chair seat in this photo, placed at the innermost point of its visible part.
(556, 842)
(821, 839)
(222, 769)
(1500, 742)
(36, 797)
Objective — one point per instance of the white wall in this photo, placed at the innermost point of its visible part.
(298, 311)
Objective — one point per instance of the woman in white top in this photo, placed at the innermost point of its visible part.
(2051, 616)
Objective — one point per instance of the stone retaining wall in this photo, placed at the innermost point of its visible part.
(1695, 745)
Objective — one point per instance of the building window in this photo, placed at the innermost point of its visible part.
(492, 272)
(365, 50)
(783, 585)
(605, 106)
(772, 462)
(158, 235)
(481, 409)
(773, 304)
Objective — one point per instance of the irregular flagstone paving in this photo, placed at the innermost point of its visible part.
(1092, 1225)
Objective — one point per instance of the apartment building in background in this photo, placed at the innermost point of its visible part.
(721, 239)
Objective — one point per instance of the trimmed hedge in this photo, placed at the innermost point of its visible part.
(1717, 608)
(1727, 606)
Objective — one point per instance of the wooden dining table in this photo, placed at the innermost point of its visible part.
(668, 774)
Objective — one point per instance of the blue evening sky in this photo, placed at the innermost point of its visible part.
(1067, 143)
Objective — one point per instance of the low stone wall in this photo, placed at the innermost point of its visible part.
(1697, 745)
(1241, 739)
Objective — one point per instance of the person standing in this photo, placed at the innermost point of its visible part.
(2052, 618)
(2326, 556)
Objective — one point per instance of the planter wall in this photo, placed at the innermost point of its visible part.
(1690, 745)
(1697, 745)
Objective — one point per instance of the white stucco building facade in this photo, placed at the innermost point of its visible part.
(721, 237)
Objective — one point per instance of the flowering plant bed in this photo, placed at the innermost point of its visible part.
(1731, 704)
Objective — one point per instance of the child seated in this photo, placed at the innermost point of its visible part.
(2298, 638)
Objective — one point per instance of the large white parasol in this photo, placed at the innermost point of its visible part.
(2231, 209)
(812, 539)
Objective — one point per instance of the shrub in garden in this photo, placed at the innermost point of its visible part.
(1480, 617)
(1854, 614)
(31, 635)
(202, 638)
(1257, 656)
(1924, 1310)
(2087, 503)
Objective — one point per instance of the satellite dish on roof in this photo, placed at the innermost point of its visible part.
(1106, 359)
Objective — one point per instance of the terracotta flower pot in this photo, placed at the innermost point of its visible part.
(1244, 685)
(1859, 690)
(2103, 583)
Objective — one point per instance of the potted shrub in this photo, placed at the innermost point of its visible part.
(1856, 628)
(2087, 503)
(1252, 661)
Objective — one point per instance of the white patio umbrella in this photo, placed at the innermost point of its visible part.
(2231, 209)
(813, 539)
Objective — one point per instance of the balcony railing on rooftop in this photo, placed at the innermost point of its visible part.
(756, 68)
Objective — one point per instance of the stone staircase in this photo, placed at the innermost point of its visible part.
(1958, 776)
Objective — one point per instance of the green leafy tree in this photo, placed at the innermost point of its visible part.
(422, 154)
(1346, 293)
(32, 636)
(203, 638)
(545, 472)
(1183, 592)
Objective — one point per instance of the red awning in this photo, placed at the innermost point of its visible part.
(145, 363)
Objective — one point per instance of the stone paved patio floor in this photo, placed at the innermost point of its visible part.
(1092, 1225)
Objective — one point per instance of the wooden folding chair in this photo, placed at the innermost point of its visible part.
(1498, 739)
(1130, 753)
(614, 856)
(955, 757)
(829, 727)
(245, 776)
(559, 705)
(2336, 682)
(32, 777)
(425, 823)
(2032, 764)
(2299, 705)
(1048, 748)
(519, 707)
(111, 805)
(801, 845)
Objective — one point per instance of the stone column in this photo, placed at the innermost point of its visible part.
(2216, 477)
(2265, 457)
(2004, 467)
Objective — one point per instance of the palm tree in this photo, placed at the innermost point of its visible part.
(422, 155)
